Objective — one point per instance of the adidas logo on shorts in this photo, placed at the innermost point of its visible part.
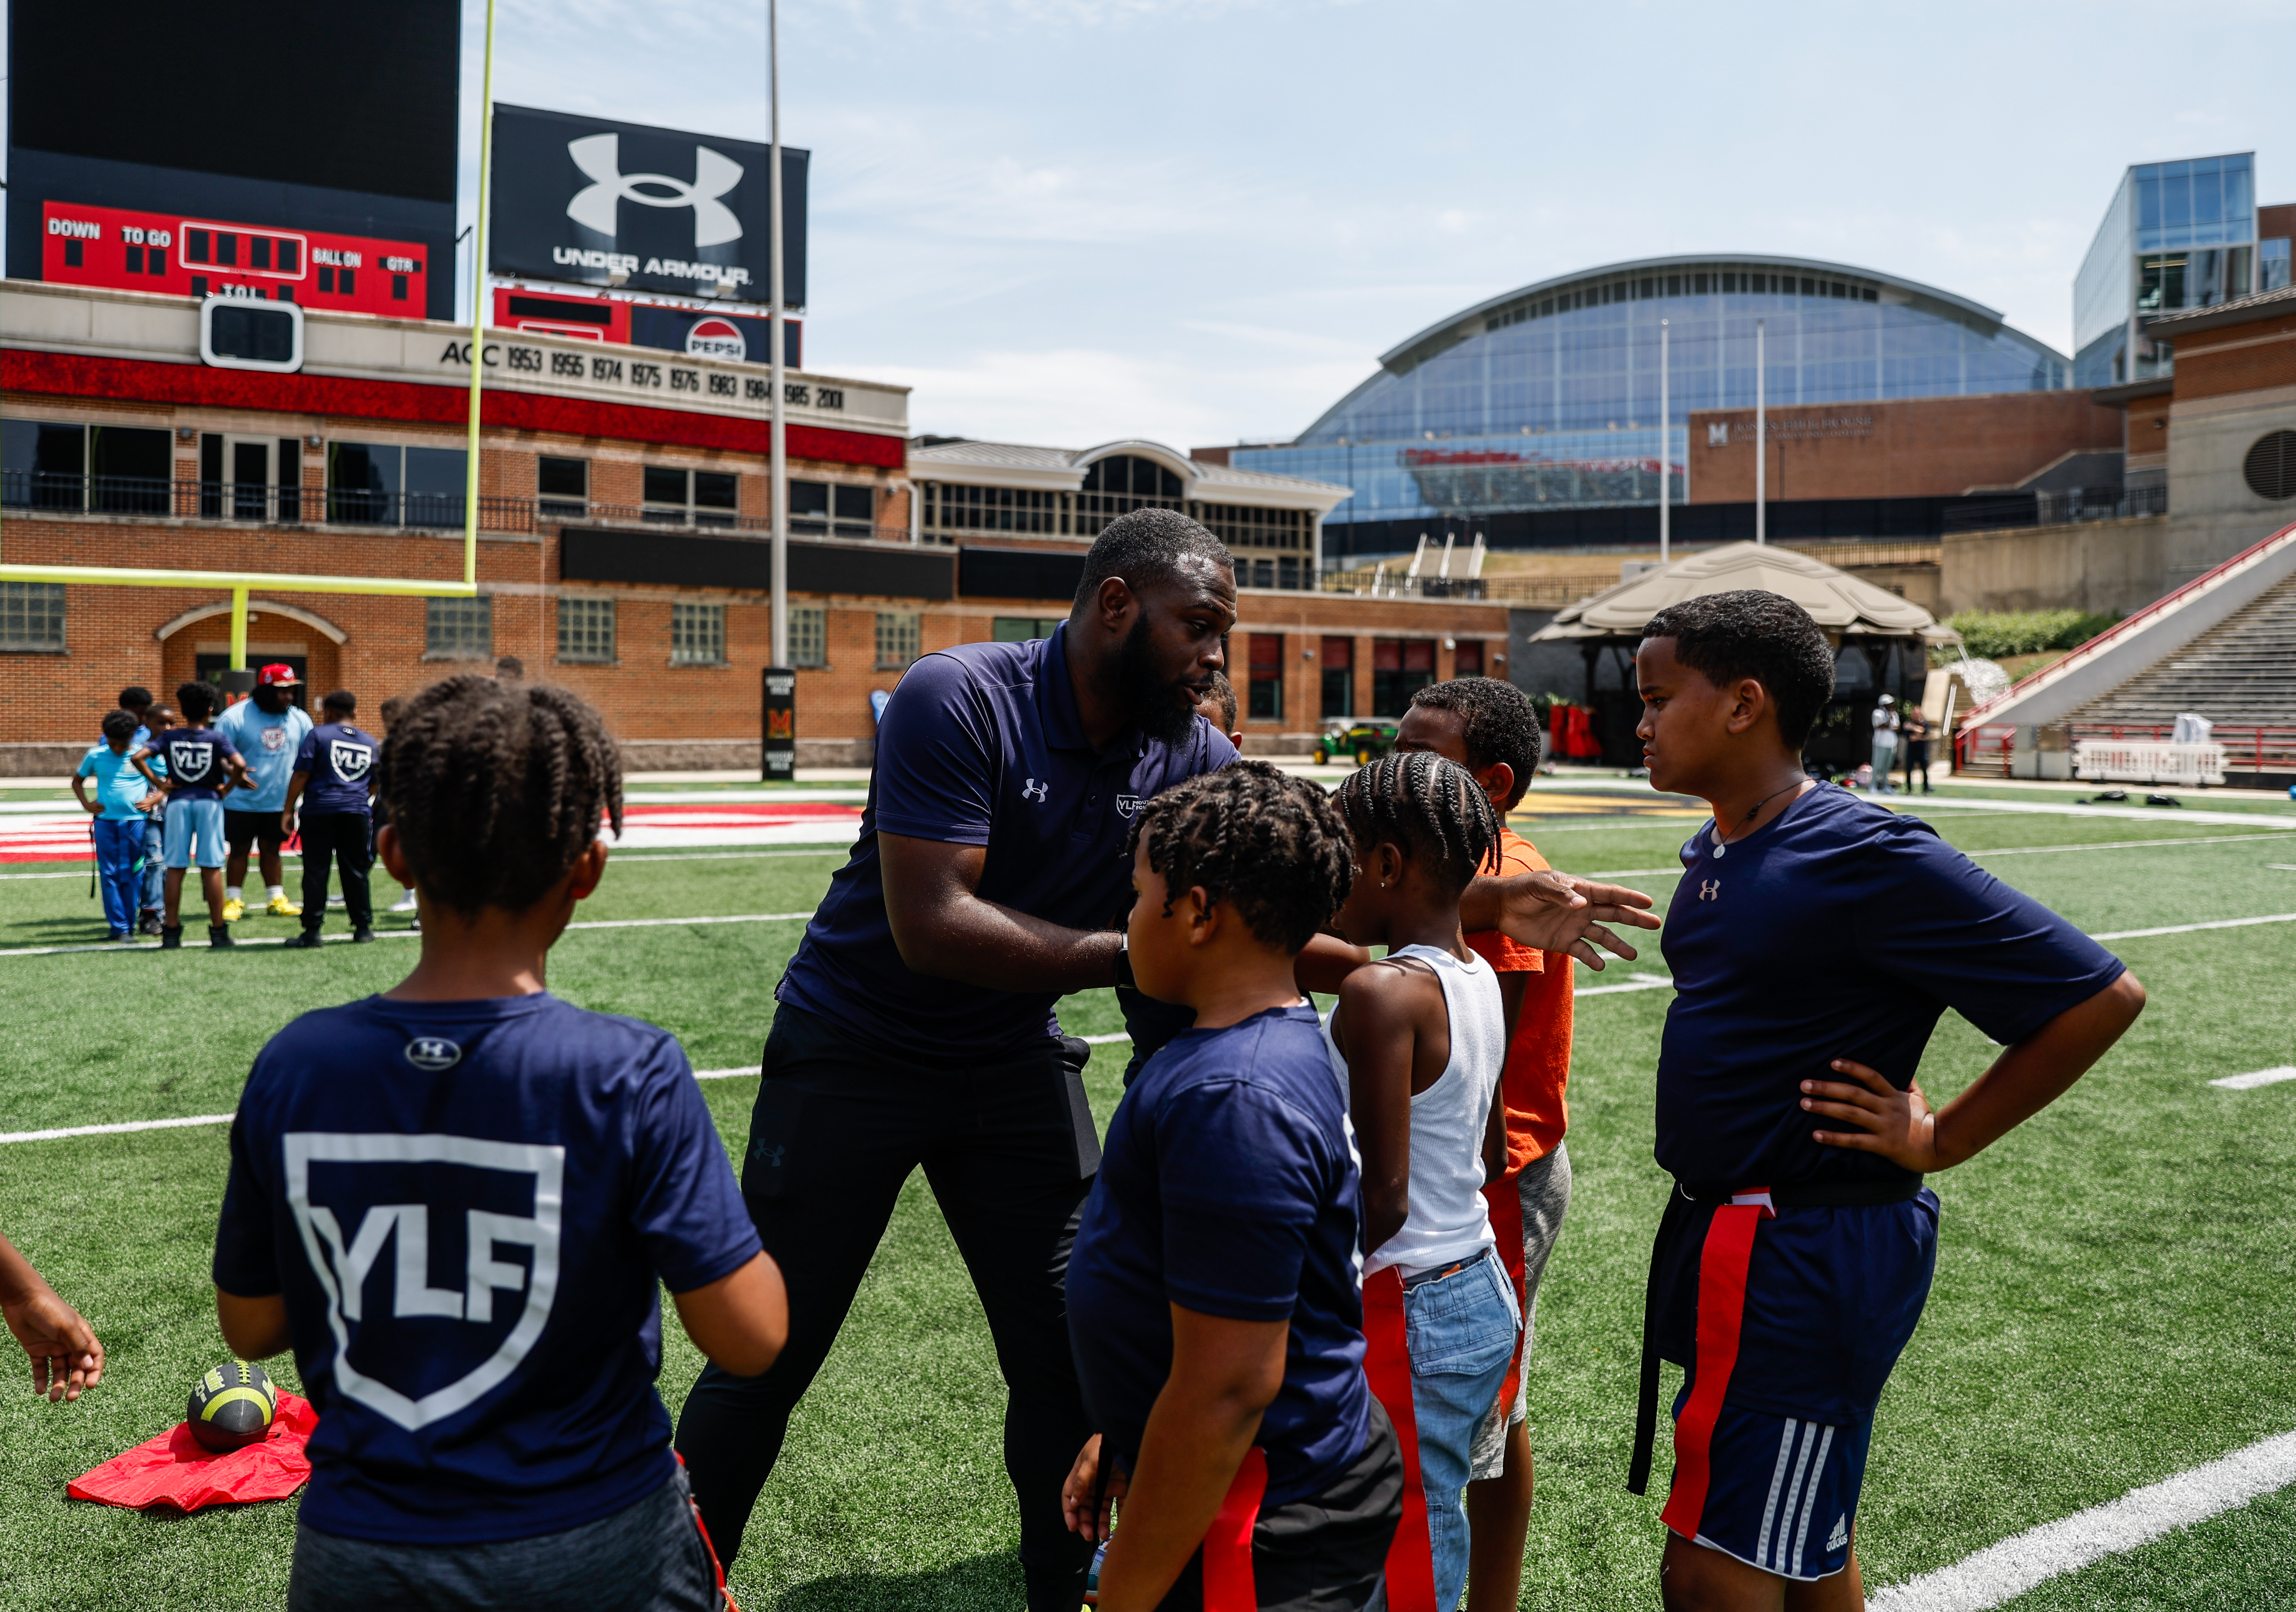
(1840, 1534)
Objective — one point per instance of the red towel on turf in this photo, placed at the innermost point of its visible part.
(174, 1469)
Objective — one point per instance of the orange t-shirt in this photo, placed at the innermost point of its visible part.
(1538, 1061)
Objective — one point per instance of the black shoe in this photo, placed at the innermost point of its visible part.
(219, 936)
(362, 935)
(171, 938)
(151, 924)
(308, 941)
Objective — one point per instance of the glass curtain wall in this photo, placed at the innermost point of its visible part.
(2177, 235)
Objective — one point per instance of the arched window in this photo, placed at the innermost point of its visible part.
(1121, 484)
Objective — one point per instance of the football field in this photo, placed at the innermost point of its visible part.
(2115, 1301)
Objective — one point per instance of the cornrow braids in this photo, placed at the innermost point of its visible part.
(1270, 845)
(496, 788)
(1431, 808)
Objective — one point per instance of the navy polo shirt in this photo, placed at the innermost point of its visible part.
(982, 745)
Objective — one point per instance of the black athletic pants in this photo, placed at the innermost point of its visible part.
(1009, 1149)
(329, 837)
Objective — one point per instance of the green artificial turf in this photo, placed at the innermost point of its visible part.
(2115, 1301)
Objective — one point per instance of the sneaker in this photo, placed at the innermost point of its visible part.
(281, 907)
(117, 936)
(308, 941)
(151, 924)
(362, 935)
(233, 911)
(219, 936)
(171, 937)
(405, 904)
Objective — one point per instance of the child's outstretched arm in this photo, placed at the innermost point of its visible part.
(2025, 1079)
(67, 1358)
(1376, 1028)
(740, 1321)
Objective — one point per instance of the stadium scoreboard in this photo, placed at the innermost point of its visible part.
(125, 249)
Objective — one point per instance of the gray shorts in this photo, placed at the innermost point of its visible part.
(645, 1557)
(1545, 1185)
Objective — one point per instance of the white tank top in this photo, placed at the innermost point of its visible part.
(1448, 1221)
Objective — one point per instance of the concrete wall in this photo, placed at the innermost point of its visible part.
(2102, 566)
(2212, 513)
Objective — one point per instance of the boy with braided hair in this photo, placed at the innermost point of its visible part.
(488, 1434)
(1212, 1294)
(1420, 1037)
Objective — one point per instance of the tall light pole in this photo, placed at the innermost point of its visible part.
(780, 451)
(1761, 441)
(1665, 450)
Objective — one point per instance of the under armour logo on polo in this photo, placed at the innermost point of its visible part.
(595, 206)
(434, 1053)
(1710, 890)
(1033, 791)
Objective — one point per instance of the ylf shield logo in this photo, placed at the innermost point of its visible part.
(350, 761)
(189, 759)
(430, 1331)
(1126, 806)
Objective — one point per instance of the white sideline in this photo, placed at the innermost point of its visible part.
(2255, 1079)
(2187, 928)
(2014, 850)
(2003, 1571)
(111, 1130)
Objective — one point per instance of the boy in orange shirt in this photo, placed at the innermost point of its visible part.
(1489, 728)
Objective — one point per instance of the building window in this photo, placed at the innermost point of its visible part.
(458, 629)
(693, 498)
(32, 617)
(116, 470)
(1020, 629)
(1119, 485)
(1338, 677)
(1267, 700)
(950, 508)
(697, 634)
(1399, 669)
(900, 639)
(2272, 262)
(808, 634)
(564, 485)
(832, 509)
(382, 484)
(1468, 661)
(585, 630)
(1243, 527)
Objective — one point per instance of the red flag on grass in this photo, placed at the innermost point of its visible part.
(174, 1469)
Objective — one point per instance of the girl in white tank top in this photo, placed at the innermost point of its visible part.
(1418, 1041)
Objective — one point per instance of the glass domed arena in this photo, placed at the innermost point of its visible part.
(1546, 398)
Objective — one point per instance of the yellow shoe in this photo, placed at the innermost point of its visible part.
(281, 907)
(233, 911)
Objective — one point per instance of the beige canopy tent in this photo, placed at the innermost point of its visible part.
(1836, 601)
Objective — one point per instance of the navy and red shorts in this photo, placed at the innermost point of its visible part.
(1787, 1319)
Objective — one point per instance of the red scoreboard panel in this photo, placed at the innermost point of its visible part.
(133, 252)
(548, 313)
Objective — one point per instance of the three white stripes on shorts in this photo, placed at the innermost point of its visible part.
(1778, 1524)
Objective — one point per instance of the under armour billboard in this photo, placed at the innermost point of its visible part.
(597, 202)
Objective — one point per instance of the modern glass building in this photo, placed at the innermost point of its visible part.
(1547, 398)
(2177, 235)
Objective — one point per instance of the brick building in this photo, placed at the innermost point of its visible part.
(623, 514)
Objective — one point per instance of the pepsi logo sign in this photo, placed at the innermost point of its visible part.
(715, 337)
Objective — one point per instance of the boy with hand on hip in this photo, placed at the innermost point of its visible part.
(489, 1436)
(1815, 941)
(122, 789)
(1420, 1038)
(202, 768)
(1212, 1292)
(1489, 728)
(332, 782)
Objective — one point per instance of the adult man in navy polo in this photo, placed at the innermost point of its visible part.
(915, 1024)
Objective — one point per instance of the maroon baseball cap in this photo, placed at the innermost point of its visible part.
(275, 673)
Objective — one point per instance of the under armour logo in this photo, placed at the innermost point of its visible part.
(1033, 791)
(1710, 890)
(593, 206)
(772, 1157)
(434, 1053)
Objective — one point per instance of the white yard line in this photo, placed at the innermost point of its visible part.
(2187, 928)
(2003, 1572)
(2258, 1077)
(193, 944)
(133, 1124)
(2122, 845)
(747, 1069)
(1635, 982)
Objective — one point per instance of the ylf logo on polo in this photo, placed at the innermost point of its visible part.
(1037, 792)
(411, 1351)
(350, 761)
(1126, 806)
(190, 759)
(434, 1053)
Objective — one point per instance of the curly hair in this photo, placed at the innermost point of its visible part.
(1496, 722)
(1433, 808)
(1753, 633)
(495, 789)
(1270, 845)
(1144, 545)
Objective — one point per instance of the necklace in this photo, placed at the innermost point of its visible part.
(1722, 845)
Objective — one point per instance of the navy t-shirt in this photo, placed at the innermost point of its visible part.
(466, 1206)
(1841, 929)
(1229, 1187)
(195, 758)
(980, 745)
(339, 759)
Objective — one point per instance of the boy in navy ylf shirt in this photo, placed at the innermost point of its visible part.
(1215, 1295)
(332, 779)
(455, 1199)
(201, 767)
(1816, 933)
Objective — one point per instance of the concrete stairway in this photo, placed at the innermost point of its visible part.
(2241, 671)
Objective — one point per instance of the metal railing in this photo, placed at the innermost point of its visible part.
(2257, 749)
(1369, 582)
(2059, 509)
(1852, 556)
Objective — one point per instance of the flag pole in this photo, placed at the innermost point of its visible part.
(1665, 451)
(780, 452)
(1761, 440)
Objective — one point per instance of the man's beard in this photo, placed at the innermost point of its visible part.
(1157, 706)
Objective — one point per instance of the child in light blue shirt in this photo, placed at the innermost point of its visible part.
(122, 788)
